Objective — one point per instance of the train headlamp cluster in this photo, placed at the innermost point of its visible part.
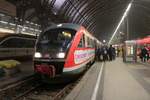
(37, 55)
(59, 25)
(61, 55)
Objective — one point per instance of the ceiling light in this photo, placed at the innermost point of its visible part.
(122, 19)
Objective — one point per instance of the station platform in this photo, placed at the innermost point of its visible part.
(26, 71)
(147, 63)
(114, 80)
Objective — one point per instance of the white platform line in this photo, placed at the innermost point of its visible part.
(94, 95)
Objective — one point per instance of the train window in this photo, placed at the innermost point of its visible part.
(18, 43)
(82, 42)
(92, 43)
(88, 42)
(55, 39)
(87, 38)
(9, 43)
(28, 43)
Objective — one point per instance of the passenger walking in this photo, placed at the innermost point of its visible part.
(105, 53)
(111, 53)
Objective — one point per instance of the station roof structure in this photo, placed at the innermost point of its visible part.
(100, 17)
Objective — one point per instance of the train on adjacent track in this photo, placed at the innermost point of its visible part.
(15, 46)
(141, 43)
(63, 51)
(132, 49)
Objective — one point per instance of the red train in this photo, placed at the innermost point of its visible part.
(63, 51)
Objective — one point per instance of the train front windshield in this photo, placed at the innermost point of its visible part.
(55, 40)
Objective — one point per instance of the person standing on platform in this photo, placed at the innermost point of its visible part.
(99, 54)
(118, 52)
(113, 53)
(144, 53)
(147, 55)
(123, 53)
(96, 54)
(105, 53)
(110, 53)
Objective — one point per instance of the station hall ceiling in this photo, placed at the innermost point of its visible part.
(100, 17)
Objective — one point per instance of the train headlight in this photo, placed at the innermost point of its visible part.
(37, 55)
(61, 55)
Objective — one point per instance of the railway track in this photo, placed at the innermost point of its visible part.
(11, 91)
(49, 92)
(30, 89)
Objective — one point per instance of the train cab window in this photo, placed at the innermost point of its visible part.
(56, 39)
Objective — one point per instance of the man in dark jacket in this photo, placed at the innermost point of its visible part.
(111, 53)
(144, 53)
(105, 53)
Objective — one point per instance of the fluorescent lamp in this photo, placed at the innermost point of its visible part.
(6, 30)
(122, 19)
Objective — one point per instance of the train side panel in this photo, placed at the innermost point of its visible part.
(16, 46)
(79, 57)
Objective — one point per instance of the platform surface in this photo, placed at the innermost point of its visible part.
(85, 89)
(121, 81)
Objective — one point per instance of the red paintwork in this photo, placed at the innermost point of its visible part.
(70, 58)
(45, 69)
(145, 40)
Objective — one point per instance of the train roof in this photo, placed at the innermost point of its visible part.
(145, 40)
(64, 25)
(16, 35)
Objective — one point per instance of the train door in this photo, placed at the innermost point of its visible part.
(129, 51)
